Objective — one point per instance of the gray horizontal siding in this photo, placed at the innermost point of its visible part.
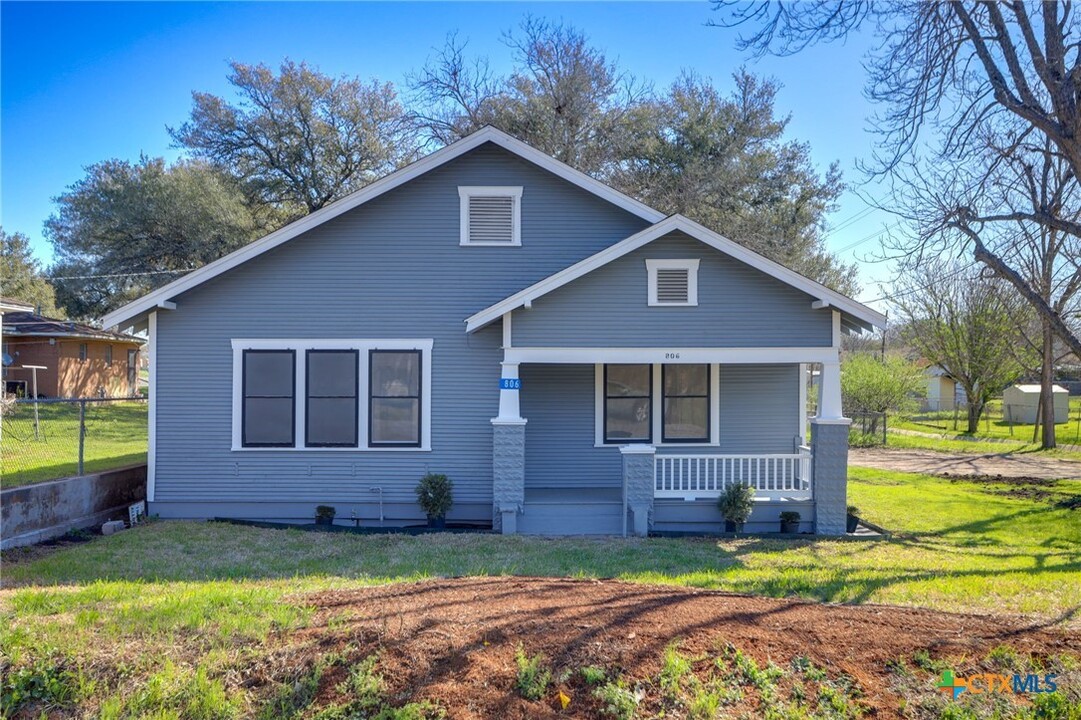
(759, 408)
(738, 306)
(392, 268)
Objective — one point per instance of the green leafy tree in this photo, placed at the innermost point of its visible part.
(21, 277)
(127, 228)
(299, 139)
(967, 325)
(724, 162)
(882, 385)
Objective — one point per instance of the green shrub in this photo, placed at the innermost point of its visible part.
(435, 494)
(533, 677)
(593, 675)
(736, 503)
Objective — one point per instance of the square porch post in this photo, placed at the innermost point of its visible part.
(829, 448)
(508, 454)
(638, 479)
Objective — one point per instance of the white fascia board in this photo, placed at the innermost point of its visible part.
(430, 162)
(830, 298)
(668, 355)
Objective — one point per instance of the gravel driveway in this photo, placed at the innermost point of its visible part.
(936, 463)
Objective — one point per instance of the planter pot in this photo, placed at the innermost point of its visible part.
(437, 523)
(730, 526)
(853, 522)
(790, 528)
(324, 521)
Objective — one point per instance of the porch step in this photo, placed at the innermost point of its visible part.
(562, 518)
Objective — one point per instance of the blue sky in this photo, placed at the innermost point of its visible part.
(82, 82)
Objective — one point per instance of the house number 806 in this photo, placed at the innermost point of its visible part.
(671, 356)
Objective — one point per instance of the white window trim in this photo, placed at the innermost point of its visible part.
(467, 191)
(656, 410)
(363, 346)
(690, 265)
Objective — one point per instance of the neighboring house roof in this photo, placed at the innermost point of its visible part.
(855, 315)
(8, 305)
(1035, 389)
(28, 324)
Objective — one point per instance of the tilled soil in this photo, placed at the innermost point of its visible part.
(453, 641)
(929, 462)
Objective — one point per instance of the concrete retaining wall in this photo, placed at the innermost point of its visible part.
(36, 513)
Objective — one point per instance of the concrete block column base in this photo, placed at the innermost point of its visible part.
(829, 448)
(638, 485)
(508, 473)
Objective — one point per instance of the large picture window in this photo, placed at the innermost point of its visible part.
(332, 408)
(394, 405)
(269, 384)
(628, 400)
(685, 403)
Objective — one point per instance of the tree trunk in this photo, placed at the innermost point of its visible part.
(975, 410)
(1047, 380)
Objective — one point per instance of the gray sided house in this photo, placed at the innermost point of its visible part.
(575, 361)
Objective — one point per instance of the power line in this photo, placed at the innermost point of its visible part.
(852, 219)
(910, 291)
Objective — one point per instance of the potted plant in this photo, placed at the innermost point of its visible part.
(324, 514)
(736, 503)
(435, 495)
(790, 522)
(853, 520)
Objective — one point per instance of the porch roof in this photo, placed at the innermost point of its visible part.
(854, 315)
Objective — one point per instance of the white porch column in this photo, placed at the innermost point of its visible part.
(509, 386)
(829, 392)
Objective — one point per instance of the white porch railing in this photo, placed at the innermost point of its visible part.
(773, 476)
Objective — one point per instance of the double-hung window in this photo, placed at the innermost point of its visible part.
(269, 394)
(332, 402)
(628, 400)
(394, 406)
(685, 403)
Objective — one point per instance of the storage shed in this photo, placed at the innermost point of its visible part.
(1020, 403)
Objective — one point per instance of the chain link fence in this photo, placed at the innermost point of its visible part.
(999, 421)
(868, 429)
(49, 439)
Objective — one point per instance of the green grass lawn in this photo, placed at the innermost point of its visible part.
(207, 596)
(116, 435)
(968, 444)
(992, 425)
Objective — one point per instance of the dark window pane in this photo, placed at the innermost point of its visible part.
(686, 380)
(269, 373)
(627, 419)
(628, 380)
(395, 420)
(396, 374)
(268, 421)
(332, 421)
(332, 373)
(686, 419)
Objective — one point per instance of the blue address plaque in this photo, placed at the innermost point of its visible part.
(510, 384)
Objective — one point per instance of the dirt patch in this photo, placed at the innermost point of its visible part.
(454, 641)
(1002, 465)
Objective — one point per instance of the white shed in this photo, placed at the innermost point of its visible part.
(1019, 404)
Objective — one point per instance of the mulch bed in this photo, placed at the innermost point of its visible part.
(453, 641)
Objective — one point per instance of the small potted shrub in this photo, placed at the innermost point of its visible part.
(324, 514)
(736, 503)
(790, 522)
(435, 495)
(853, 520)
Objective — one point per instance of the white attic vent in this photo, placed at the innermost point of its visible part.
(491, 215)
(673, 282)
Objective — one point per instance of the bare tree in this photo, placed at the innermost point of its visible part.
(967, 325)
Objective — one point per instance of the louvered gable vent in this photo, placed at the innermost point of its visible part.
(491, 219)
(673, 285)
(491, 215)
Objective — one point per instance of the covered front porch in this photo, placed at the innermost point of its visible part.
(561, 468)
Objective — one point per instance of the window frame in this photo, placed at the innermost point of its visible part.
(689, 264)
(709, 407)
(244, 397)
(84, 352)
(356, 398)
(423, 345)
(657, 428)
(648, 440)
(465, 192)
(108, 355)
(419, 397)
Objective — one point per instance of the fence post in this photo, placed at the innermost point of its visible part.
(82, 433)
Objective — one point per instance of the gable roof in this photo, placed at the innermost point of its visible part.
(855, 315)
(162, 296)
(28, 324)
